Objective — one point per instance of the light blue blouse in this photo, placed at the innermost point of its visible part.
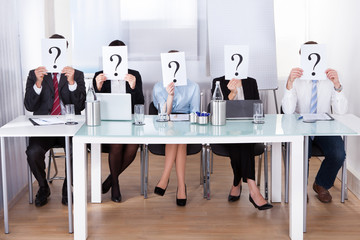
(186, 98)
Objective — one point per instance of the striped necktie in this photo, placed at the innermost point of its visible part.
(56, 109)
(313, 102)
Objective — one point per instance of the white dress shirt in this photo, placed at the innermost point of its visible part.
(240, 94)
(297, 99)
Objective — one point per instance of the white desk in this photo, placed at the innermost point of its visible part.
(184, 132)
(22, 127)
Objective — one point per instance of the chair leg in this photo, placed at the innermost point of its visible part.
(141, 169)
(30, 185)
(49, 165)
(146, 170)
(212, 163)
(259, 170)
(344, 178)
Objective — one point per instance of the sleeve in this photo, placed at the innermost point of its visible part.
(156, 94)
(339, 102)
(32, 100)
(195, 100)
(78, 96)
(289, 101)
(137, 96)
(72, 87)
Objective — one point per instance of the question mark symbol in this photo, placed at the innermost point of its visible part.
(240, 61)
(177, 68)
(119, 61)
(57, 55)
(317, 61)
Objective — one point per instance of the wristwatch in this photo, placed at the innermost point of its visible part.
(338, 89)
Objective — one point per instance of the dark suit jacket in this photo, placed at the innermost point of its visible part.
(42, 104)
(137, 96)
(249, 85)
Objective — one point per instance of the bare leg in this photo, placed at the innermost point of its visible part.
(170, 155)
(180, 170)
(235, 190)
(255, 193)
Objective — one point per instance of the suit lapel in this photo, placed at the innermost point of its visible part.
(49, 81)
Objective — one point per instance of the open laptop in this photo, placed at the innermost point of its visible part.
(240, 109)
(115, 106)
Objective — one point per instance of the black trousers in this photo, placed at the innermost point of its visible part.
(242, 161)
(38, 146)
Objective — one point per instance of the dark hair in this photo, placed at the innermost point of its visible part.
(117, 43)
(173, 51)
(58, 36)
(308, 43)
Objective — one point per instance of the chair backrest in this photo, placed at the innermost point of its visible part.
(152, 109)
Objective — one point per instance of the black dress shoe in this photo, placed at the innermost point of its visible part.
(263, 207)
(106, 185)
(232, 198)
(116, 199)
(160, 191)
(181, 202)
(115, 195)
(42, 196)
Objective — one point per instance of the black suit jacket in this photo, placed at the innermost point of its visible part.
(249, 85)
(42, 104)
(137, 96)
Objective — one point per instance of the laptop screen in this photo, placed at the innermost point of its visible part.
(240, 109)
(115, 106)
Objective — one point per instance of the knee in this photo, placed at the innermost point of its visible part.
(34, 152)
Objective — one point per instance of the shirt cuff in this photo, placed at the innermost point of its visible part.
(37, 90)
(72, 87)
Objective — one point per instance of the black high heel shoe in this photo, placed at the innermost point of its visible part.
(160, 191)
(181, 202)
(232, 198)
(263, 207)
(106, 185)
(115, 197)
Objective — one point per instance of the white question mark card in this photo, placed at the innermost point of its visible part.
(313, 61)
(236, 61)
(173, 68)
(115, 62)
(53, 53)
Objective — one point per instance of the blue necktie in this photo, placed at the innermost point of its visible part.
(313, 102)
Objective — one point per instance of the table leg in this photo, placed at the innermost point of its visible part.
(306, 166)
(142, 169)
(80, 167)
(4, 185)
(96, 173)
(207, 167)
(30, 184)
(146, 171)
(296, 182)
(203, 169)
(68, 176)
(275, 172)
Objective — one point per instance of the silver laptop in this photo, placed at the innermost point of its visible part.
(115, 106)
(240, 109)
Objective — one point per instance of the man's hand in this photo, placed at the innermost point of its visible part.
(131, 79)
(294, 74)
(100, 79)
(333, 76)
(40, 72)
(69, 73)
(171, 89)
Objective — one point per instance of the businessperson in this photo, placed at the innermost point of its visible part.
(313, 96)
(179, 99)
(120, 155)
(47, 94)
(242, 155)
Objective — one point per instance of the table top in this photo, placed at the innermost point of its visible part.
(275, 125)
(22, 127)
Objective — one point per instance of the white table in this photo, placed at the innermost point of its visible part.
(184, 132)
(22, 127)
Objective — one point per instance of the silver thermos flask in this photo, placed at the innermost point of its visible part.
(218, 107)
(92, 108)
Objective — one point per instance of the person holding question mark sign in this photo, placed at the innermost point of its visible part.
(313, 96)
(177, 99)
(120, 155)
(47, 94)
